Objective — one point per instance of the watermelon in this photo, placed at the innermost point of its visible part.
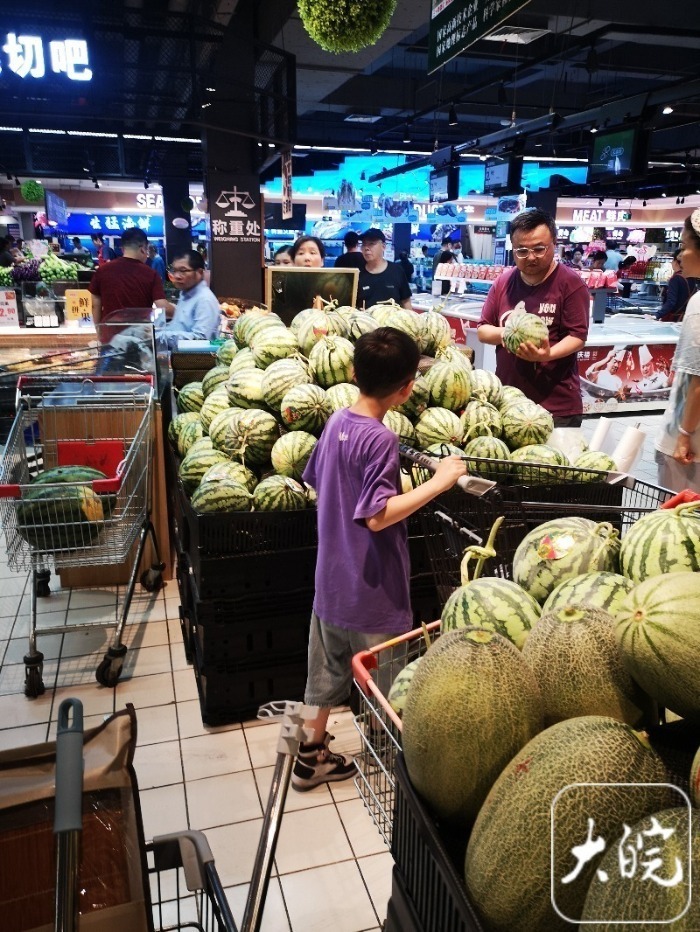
(472, 704)
(658, 631)
(291, 453)
(330, 361)
(221, 425)
(599, 590)
(299, 319)
(248, 328)
(524, 328)
(189, 434)
(488, 448)
(226, 352)
(221, 495)
(215, 377)
(436, 332)
(399, 688)
(279, 377)
(531, 465)
(214, 404)
(204, 443)
(449, 386)
(562, 548)
(60, 474)
(457, 357)
(190, 397)
(444, 449)
(273, 344)
(305, 407)
(480, 419)
(245, 389)
(592, 459)
(251, 437)
(417, 401)
(193, 467)
(486, 386)
(438, 425)
(360, 323)
(60, 517)
(665, 541)
(510, 395)
(407, 322)
(242, 360)
(497, 604)
(400, 425)
(234, 472)
(383, 311)
(578, 668)
(635, 898)
(178, 422)
(279, 493)
(525, 424)
(516, 820)
(342, 395)
(320, 324)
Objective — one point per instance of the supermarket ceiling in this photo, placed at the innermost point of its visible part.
(166, 72)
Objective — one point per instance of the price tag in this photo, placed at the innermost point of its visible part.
(8, 309)
(79, 305)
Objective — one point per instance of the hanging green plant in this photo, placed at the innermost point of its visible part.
(187, 204)
(345, 25)
(32, 192)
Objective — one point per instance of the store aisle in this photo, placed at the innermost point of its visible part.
(332, 867)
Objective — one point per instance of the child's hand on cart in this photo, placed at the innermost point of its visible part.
(448, 471)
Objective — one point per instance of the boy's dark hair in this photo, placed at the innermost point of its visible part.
(529, 220)
(385, 360)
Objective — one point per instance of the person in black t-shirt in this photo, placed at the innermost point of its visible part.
(380, 280)
(353, 258)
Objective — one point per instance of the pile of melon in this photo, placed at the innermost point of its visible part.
(538, 690)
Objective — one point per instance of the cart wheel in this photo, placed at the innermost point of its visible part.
(33, 682)
(42, 583)
(108, 672)
(152, 580)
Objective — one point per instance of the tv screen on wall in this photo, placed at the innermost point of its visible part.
(620, 153)
(444, 185)
(503, 175)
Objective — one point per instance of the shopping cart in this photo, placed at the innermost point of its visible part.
(102, 422)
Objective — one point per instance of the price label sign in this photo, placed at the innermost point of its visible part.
(8, 309)
(79, 305)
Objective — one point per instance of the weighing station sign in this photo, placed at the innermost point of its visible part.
(457, 24)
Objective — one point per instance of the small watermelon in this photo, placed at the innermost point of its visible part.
(235, 472)
(217, 376)
(190, 433)
(279, 493)
(438, 425)
(538, 464)
(592, 459)
(665, 541)
(214, 404)
(279, 377)
(599, 590)
(221, 425)
(291, 453)
(400, 425)
(342, 395)
(360, 323)
(418, 400)
(272, 345)
(226, 352)
(193, 467)
(245, 389)
(399, 688)
(497, 604)
(510, 395)
(178, 422)
(190, 397)
(486, 386)
(524, 328)
(449, 386)
(318, 325)
(488, 448)
(299, 319)
(437, 334)
(525, 424)
(330, 361)
(305, 407)
(222, 495)
(480, 419)
(242, 360)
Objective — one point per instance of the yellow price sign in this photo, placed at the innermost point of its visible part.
(78, 305)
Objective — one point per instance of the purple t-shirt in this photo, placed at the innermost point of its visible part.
(362, 576)
(563, 303)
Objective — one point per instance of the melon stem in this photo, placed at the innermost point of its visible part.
(480, 554)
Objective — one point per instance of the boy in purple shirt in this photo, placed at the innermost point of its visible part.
(362, 569)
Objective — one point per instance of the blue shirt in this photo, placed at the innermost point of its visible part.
(197, 316)
(157, 263)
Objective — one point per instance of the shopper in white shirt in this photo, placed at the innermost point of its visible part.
(197, 313)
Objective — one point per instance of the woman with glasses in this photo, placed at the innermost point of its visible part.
(540, 285)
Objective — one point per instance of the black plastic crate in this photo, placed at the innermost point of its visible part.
(230, 647)
(430, 864)
(191, 367)
(401, 914)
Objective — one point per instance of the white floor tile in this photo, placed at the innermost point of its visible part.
(86, 641)
(22, 736)
(96, 699)
(12, 678)
(18, 711)
(364, 837)
(146, 661)
(209, 755)
(262, 743)
(157, 724)
(223, 800)
(145, 691)
(320, 796)
(329, 897)
(376, 873)
(185, 685)
(92, 598)
(234, 847)
(274, 917)
(190, 718)
(158, 764)
(163, 810)
(7, 625)
(310, 838)
(102, 615)
(50, 646)
(8, 605)
(146, 634)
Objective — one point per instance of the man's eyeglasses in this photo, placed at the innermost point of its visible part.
(523, 252)
(179, 271)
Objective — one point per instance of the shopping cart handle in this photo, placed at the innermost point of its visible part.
(362, 664)
(188, 849)
(69, 768)
(472, 485)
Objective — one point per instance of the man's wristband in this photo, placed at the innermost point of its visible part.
(685, 433)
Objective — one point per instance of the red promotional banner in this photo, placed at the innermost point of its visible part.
(625, 375)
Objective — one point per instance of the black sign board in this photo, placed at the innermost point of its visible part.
(457, 24)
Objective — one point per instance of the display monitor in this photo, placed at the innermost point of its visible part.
(444, 185)
(619, 153)
(56, 212)
(274, 221)
(503, 175)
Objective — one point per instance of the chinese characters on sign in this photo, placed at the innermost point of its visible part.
(8, 309)
(236, 255)
(599, 215)
(457, 24)
(287, 208)
(26, 56)
(79, 305)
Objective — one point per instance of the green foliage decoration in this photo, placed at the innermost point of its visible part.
(32, 192)
(345, 25)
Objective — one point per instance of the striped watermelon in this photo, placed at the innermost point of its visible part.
(242, 360)
(305, 407)
(321, 324)
(226, 352)
(178, 422)
(383, 310)
(245, 389)
(417, 401)
(497, 604)
(215, 377)
(408, 322)
(342, 395)
(222, 495)
(199, 446)
(233, 472)
(531, 465)
(525, 424)
(455, 355)
(592, 459)
(486, 386)
(299, 319)
(247, 328)
(436, 332)
(438, 425)
(190, 397)
(214, 404)
(291, 453)
(190, 433)
(330, 361)
(488, 448)
(279, 377)
(599, 590)
(193, 467)
(658, 632)
(524, 328)
(399, 688)
(444, 449)
(480, 419)
(400, 425)
(279, 493)
(221, 425)
(511, 395)
(562, 548)
(251, 437)
(666, 541)
(272, 345)
(449, 386)
(245, 321)
(360, 323)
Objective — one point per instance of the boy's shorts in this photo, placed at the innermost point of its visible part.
(331, 650)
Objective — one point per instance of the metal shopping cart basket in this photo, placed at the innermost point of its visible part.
(104, 423)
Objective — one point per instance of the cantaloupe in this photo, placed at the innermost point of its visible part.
(574, 656)
(472, 703)
(512, 851)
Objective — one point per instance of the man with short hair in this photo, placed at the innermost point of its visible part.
(541, 286)
(127, 282)
(197, 312)
(445, 243)
(155, 261)
(103, 252)
(380, 280)
(352, 258)
(78, 248)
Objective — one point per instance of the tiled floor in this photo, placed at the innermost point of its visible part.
(332, 869)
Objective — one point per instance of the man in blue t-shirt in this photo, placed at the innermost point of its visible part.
(362, 570)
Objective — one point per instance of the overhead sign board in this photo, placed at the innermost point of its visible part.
(31, 56)
(457, 24)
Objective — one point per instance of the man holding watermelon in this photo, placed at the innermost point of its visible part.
(545, 370)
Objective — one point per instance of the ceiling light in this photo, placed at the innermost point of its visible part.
(210, 89)
(204, 106)
(667, 109)
(407, 133)
(516, 35)
(594, 129)
(452, 116)
(663, 194)
(270, 145)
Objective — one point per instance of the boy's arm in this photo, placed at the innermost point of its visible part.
(399, 507)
